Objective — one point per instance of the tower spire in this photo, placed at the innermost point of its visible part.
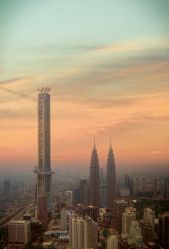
(94, 145)
(110, 145)
(111, 178)
(94, 185)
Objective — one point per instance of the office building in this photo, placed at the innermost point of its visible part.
(164, 230)
(119, 207)
(111, 179)
(18, 232)
(166, 187)
(94, 185)
(69, 198)
(128, 184)
(90, 211)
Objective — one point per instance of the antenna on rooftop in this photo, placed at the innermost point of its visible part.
(44, 89)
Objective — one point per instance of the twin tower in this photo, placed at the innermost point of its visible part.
(94, 184)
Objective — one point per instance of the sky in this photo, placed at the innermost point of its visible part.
(107, 64)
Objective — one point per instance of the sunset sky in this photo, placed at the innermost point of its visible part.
(107, 64)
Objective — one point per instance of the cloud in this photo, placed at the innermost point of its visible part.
(156, 152)
(16, 113)
(16, 87)
(134, 45)
(17, 93)
(14, 80)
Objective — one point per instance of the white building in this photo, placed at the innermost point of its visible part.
(77, 233)
(135, 233)
(128, 216)
(112, 242)
(83, 233)
(18, 232)
(64, 219)
(90, 233)
(149, 216)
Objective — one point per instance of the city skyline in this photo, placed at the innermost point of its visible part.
(109, 80)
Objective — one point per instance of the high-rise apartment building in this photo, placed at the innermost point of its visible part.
(90, 233)
(112, 242)
(111, 179)
(149, 216)
(18, 232)
(148, 225)
(83, 233)
(43, 171)
(77, 233)
(64, 219)
(134, 233)
(94, 186)
(128, 216)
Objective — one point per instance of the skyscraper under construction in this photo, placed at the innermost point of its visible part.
(43, 171)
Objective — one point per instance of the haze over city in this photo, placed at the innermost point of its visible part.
(106, 63)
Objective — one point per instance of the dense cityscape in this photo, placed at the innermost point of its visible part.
(63, 210)
(84, 124)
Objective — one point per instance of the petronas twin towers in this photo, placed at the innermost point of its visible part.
(94, 184)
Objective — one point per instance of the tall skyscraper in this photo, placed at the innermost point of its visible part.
(103, 189)
(94, 188)
(111, 179)
(44, 174)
